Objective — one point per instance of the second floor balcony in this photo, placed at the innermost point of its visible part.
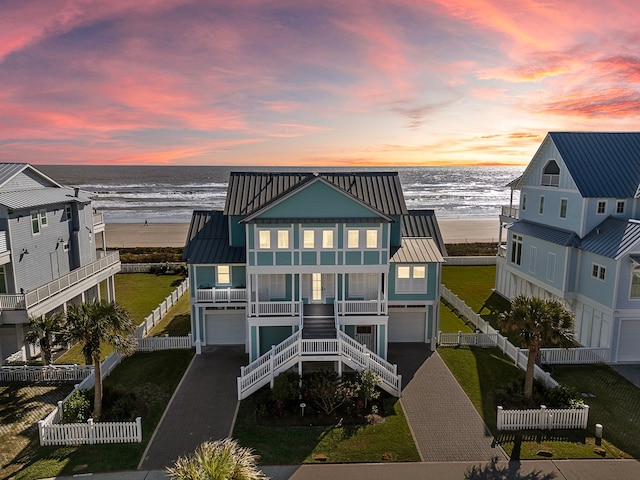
(510, 212)
(221, 295)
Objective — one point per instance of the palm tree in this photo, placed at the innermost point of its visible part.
(94, 323)
(539, 323)
(46, 332)
(219, 460)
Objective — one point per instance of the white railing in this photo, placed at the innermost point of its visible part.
(574, 356)
(149, 267)
(280, 358)
(89, 433)
(152, 344)
(543, 419)
(161, 310)
(510, 350)
(347, 307)
(19, 302)
(47, 373)
(3, 241)
(214, 295)
(467, 339)
(287, 307)
(511, 212)
(98, 218)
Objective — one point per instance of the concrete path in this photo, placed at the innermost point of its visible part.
(203, 407)
(630, 372)
(445, 424)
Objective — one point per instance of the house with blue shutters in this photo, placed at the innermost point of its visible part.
(575, 236)
(315, 264)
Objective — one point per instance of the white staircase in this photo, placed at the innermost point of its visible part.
(295, 350)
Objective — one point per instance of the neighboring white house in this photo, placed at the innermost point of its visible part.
(48, 255)
(576, 236)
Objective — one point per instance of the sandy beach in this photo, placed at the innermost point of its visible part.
(127, 235)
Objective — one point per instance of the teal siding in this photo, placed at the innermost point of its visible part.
(206, 276)
(327, 258)
(382, 341)
(430, 320)
(252, 236)
(432, 269)
(239, 276)
(254, 353)
(352, 258)
(318, 200)
(283, 258)
(396, 232)
(272, 336)
(265, 258)
(237, 232)
(371, 258)
(309, 258)
(350, 330)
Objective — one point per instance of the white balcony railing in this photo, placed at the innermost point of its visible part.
(221, 295)
(98, 218)
(355, 307)
(274, 308)
(511, 212)
(28, 300)
(3, 241)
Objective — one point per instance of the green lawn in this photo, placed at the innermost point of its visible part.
(472, 284)
(390, 441)
(140, 294)
(177, 323)
(139, 374)
(451, 323)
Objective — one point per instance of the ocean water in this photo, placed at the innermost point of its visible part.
(133, 194)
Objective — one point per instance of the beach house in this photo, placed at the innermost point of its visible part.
(575, 236)
(48, 256)
(317, 260)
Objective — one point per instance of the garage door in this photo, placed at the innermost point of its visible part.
(406, 326)
(226, 327)
(629, 345)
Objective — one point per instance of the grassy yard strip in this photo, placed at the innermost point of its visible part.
(390, 441)
(473, 284)
(451, 323)
(140, 294)
(177, 322)
(140, 374)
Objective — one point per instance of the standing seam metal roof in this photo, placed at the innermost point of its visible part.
(208, 240)
(543, 232)
(250, 191)
(417, 250)
(612, 238)
(423, 223)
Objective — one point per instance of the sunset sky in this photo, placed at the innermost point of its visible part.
(294, 82)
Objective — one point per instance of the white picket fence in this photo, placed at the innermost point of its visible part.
(543, 419)
(89, 433)
(47, 373)
(153, 344)
(161, 310)
(148, 267)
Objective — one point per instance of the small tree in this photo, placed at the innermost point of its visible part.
(93, 323)
(45, 331)
(219, 460)
(368, 383)
(539, 323)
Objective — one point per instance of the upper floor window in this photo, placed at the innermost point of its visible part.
(541, 207)
(223, 274)
(264, 238)
(43, 218)
(602, 207)
(327, 239)
(524, 201)
(283, 238)
(598, 271)
(372, 239)
(411, 279)
(35, 223)
(563, 207)
(516, 249)
(620, 204)
(353, 238)
(551, 174)
(68, 212)
(551, 266)
(308, 238)
(635, 282)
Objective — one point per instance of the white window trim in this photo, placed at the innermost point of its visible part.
(306, 231)
(325, 236)
(551, 265)
(68, 212)
(566, 208)
(624, 206)
(42, 217)
(283, 241)
(415, 285)
(219, 273)
(635, 270)
(37, 222)
(374, 233)
(264, 234)
(604, 212)
(602, 271)
(353, 232)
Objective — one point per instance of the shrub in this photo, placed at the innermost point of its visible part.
(119, 406)
(77, 409)
(563, 397)
(327, 391)
(367, 381)
(286, 387)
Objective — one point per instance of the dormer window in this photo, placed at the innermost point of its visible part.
(551, 174)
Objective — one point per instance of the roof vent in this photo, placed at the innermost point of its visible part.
(76, 190)
(316, 174)
(597, 231)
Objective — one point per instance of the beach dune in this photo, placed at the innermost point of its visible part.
(129, 235)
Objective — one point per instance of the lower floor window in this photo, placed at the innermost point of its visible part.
(411, 279)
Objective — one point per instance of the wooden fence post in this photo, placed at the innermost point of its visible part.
(139, 429)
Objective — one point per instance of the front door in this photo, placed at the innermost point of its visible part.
(316, 288)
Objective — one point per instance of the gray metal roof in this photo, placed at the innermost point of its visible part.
(602, 165)
(612, 238)
(25, 199)
(10, 170)
(423, 223)
(543, 232)
(417, 250)
(249, 192)
(323, 221)
(208, 240)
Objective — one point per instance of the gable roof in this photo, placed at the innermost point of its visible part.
(613, 237)
(249, 192)
(602, 164)
(23, 199)
(10, 170)
(423, 223)
(417, 250)
(208, 240)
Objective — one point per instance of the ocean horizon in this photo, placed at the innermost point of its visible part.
(169, 194)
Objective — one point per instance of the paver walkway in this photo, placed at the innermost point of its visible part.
(445, 424)
(203, 408)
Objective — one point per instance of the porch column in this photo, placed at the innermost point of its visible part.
(21, 343)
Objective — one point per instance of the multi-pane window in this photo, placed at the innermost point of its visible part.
(635, 282)
(411, 279)
(327, 239)
(283, 238)
(35, 223)
(541, 207)
(551, 174)
(598, 271)
(516, 249)
(620, 206)
(353, 238)
(68, 212)
(601, 208)
(308, 238)
(43, 218)
(563, 207)
(372, 239)
(223, 273)
(264, 238)
(551, 266)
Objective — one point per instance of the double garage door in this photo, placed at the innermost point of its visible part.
(406, 326)
(629, 344)
(225, 327)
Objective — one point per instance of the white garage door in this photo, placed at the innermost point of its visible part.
(406, 326)
(226, 327)
(629, 345)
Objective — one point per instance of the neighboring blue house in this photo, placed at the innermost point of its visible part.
(314, 251)
(576, 236)
(48, 255)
